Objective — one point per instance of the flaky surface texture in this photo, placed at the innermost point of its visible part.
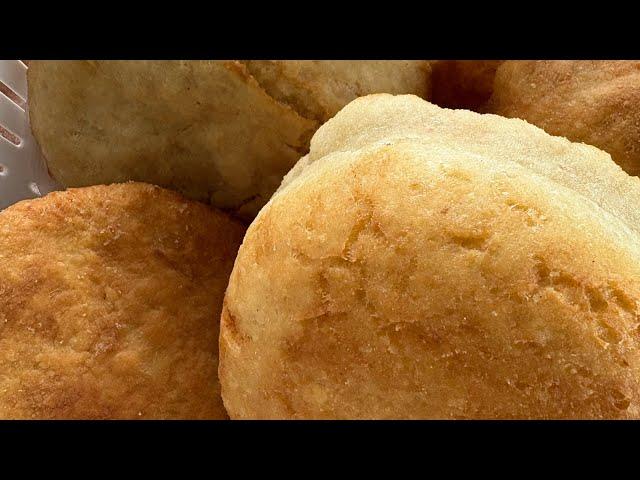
(432, 263)
(595, 102)
(463, 83)
(109, 305)
(218, 131)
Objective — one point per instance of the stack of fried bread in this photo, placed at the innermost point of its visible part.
(316, 240)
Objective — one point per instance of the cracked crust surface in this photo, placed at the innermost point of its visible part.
(109, 304)
(591, 101)
(431, 263)
(218, 131)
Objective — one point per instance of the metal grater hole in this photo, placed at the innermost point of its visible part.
(12, 137)
(13, 96)
(3, 170)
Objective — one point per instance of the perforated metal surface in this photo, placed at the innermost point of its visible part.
(23, 173)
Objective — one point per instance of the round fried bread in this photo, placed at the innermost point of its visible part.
(110, 299)
(431, 263)
(591, 101)
(224, 132)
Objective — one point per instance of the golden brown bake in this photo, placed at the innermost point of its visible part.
(218, 131)
(595, 102)
(463, 83)
(109, 304)
(431, 263)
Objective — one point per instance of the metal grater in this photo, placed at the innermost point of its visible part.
(23, 172)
